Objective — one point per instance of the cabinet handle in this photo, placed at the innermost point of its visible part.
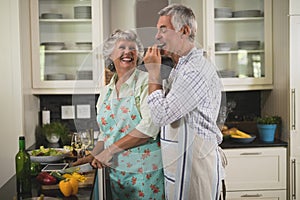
(293, 104)
(251, 154)
(294, 179)
(252, 195)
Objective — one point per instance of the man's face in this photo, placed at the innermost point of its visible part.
(168, 38)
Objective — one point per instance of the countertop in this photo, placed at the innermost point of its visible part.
(8, 191)
(229, 144)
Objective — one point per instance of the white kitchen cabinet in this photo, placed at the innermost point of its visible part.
(294, 7)
(294, 105)
(250, 170)
(284, 99)
(245, 67)
(72, 67)
(256, 195)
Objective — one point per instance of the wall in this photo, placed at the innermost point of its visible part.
(16, 101)
(277, 100)
(122, 16)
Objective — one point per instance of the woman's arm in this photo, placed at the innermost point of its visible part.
(133, 139)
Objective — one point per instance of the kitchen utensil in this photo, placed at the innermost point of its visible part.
(51, 16)
(247, 13)
(248, 44)
(84, 168)
(55, 167)
(223, 12)
(223, 46)
(84, 45)
(53, 45)
(57, 76)
(82, 12)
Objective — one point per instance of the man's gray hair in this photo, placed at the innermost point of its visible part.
(181, 16)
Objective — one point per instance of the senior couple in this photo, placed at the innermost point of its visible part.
(160, 141)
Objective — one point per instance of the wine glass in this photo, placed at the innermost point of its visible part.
(76, 143)
(86, 140)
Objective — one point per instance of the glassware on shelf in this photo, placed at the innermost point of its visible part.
(256, 64)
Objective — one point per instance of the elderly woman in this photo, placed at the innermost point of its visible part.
(128, 142)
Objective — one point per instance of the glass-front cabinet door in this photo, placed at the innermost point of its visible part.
(65, 34)
(239, 41)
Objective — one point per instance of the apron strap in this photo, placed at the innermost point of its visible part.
(134, 86)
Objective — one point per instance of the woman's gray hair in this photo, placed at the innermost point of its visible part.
(117, 35)
(181, 16)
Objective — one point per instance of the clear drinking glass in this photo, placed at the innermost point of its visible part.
(76, 143)
(86, 140)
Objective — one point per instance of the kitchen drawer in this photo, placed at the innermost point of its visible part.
(256, 168)
(253, 195)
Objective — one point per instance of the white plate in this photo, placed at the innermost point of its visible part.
(48, 159)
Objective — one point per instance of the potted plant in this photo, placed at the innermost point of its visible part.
(267, 127)
(54, 131)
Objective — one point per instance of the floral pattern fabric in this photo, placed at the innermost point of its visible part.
(136, 173)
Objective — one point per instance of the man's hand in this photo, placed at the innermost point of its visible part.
(152, 60)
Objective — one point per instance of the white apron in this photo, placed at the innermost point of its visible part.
(192, 166)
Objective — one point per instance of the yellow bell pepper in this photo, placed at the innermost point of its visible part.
(68, 186)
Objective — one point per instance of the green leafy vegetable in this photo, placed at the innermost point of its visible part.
(46, 152)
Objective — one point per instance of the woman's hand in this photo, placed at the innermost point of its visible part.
(97, 164)
(87, 159)
(104, 157)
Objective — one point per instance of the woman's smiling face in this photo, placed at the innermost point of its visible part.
(125, 54)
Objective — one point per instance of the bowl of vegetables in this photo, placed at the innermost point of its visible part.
(46, 155)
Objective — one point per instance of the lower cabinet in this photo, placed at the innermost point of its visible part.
(259, 194)
(256, 173)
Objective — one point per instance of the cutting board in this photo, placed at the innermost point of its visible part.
(87, 183)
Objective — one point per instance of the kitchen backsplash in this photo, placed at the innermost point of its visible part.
(241, 106)
(55, 103)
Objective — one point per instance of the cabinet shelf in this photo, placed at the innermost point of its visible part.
(65, 20)
(233, 19)
(67, 51)
(237, 51)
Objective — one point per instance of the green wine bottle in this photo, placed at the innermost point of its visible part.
(23, 174)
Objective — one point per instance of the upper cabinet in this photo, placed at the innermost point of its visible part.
(238, 38)
(65, 37)
(294, 7)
